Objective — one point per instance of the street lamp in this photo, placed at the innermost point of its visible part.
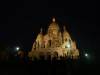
(86, 55)
(17, 48)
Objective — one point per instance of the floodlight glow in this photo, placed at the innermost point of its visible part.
(68, 45)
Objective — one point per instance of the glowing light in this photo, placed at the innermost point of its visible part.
(53, 19)
(68, 45)
(17, 48)
(86, 54)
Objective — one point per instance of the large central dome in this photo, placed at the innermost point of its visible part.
(53, 28)
(53, 25)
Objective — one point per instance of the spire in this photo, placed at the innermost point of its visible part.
(64, 28)
(53, 19)
(41, 30)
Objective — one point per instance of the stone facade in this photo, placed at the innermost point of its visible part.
(54, 42)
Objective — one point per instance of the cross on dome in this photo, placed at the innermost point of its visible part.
(53, 19)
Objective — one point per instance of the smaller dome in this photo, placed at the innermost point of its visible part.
(39, 37)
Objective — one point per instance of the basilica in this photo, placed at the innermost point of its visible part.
(55, 43)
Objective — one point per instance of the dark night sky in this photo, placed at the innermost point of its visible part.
(20, 21)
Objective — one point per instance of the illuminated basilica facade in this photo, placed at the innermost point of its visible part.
(54, 44)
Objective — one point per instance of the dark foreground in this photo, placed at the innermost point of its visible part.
(42, 67)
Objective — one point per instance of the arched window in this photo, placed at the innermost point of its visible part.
(50, 42)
